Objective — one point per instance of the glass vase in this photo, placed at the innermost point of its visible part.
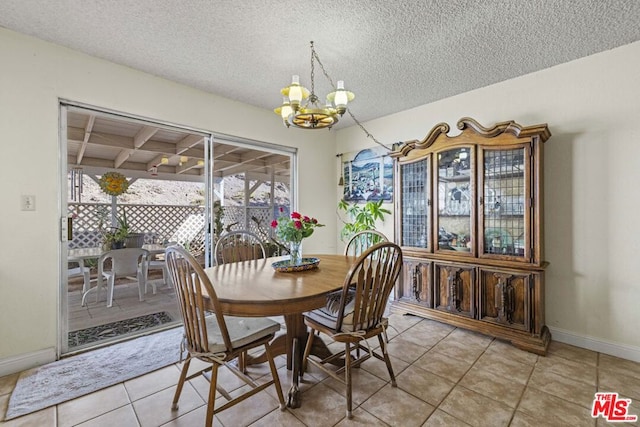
(295, 252)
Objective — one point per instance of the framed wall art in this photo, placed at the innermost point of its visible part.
(368, 175)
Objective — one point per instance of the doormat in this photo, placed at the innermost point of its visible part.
(115, 329)
(78, 375)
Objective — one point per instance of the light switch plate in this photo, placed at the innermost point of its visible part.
(28, 203)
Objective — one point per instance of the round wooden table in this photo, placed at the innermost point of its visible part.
(254, 288)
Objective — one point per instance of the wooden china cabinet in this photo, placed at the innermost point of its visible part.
(469, 218)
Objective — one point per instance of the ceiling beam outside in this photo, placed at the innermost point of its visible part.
(85, 140)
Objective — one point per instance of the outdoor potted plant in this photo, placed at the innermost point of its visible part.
(115, 237)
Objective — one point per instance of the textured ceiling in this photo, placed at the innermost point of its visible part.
(393, 55)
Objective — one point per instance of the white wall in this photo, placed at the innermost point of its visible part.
(33, 76)
(592, 170)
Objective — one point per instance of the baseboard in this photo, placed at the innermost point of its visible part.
(21, 362)
(596, 344)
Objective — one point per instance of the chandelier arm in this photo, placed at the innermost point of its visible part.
(367, 132)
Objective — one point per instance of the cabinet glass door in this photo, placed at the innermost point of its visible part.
(505, 213)
(414, 203)
(455, 201)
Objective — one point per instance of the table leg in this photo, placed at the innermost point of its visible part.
(292, 344)
(296, 340)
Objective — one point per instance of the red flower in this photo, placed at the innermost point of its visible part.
(274, 223)
(306, 219)
(297, 224)
(281, 209)
(295, 215)
(313, 220)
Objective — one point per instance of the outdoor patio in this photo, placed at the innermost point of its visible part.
(126, 306)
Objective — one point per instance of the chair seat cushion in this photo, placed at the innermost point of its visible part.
(242, 331)
(327, 315)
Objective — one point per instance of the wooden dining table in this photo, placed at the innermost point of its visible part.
(255, 288)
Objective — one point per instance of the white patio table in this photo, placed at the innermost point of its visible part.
(79, 255)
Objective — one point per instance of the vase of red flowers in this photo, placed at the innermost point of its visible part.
(292, 229)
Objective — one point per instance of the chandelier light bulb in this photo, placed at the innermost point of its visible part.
(341, 96)
(164, 160)
(295, 91)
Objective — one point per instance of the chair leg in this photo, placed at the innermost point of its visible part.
(111, 283)
(347, 377)
(166, 277)
(99, 286)
(142, 287)
(212, 395)
(86, 285)
(307, 352)
(183, 375)
(276, 378)
(387, 361)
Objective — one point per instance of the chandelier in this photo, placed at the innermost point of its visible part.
(301, 108)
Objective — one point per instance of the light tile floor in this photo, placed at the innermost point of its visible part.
(446, 377)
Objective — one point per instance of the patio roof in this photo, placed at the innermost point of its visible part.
(101, 142)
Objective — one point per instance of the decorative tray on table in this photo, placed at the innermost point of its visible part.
(305, 264)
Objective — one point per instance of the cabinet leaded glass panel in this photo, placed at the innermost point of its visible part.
(504, 202)
(415, 206)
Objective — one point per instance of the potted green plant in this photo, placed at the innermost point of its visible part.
(362, 217)
(115, 238)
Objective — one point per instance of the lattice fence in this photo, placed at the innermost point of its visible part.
(182, 224)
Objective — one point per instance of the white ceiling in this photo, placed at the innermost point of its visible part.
(394, 55)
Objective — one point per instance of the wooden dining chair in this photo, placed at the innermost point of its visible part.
(358, 315)
(362, 240)
(241, 245)
(214, 338)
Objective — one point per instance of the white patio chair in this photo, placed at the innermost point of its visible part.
(80, 271)
(155, 263)
(128, 262)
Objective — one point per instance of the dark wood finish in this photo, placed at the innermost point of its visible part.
(492, 286)
(416, 284)
(454, 288)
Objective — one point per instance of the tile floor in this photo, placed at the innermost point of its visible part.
(446, 377)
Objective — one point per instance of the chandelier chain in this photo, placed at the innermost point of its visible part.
(314, 54)
(366, 131)
(313, 98)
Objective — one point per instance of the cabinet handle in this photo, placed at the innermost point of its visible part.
(505, 298)
(416, 288)
(453, 280)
